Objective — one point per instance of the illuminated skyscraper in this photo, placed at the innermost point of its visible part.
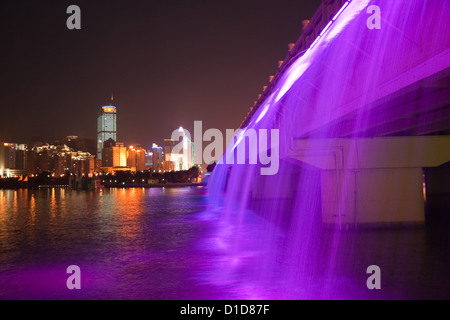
(186, 152)
(106, 127)
(136, 158)
(179, 153)
(157, 157)
(12, 159)
(114, 155)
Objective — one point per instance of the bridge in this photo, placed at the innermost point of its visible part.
(366, 108)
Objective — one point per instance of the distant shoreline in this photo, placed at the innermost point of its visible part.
(15, 186)
(156, 185)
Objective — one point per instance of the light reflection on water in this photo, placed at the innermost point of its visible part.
(129, 243)
(168, 244)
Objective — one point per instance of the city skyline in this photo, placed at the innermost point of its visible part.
(103, 154)
(140, 53)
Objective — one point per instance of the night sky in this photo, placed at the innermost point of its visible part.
(167, 62)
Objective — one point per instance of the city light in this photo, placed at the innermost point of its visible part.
(109, 109)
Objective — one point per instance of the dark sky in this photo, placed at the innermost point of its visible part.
(168, 63)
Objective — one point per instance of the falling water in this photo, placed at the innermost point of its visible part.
(272, 236)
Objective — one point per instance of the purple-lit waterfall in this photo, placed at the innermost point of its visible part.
(358, 115)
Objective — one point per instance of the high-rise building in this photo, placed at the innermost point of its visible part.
(136, 158)
(81, 144)
(114, 155)
(186, 160)
(157, 157)
(12, 159)
(169, 166)
(2, 158)
(59, 160)
(149, 160)
(171, 159)
(179, 152)
(169, 144)
(106, 127)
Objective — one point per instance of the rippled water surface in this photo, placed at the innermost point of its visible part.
(167, 244)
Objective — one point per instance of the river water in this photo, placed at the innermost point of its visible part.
(167, 243)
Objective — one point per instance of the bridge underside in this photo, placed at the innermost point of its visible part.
(379, 166)
(369, 111)
(372, 163)
(422, 108)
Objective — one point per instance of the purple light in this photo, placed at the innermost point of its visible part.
(334, 106)
(340, 10)
(314, 42)
(326, 28)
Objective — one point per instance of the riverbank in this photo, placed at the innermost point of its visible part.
(154, 185)
(86, 184)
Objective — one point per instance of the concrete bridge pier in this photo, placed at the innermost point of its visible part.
(373, 181)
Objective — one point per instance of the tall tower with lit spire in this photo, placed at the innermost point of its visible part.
(106, 126)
